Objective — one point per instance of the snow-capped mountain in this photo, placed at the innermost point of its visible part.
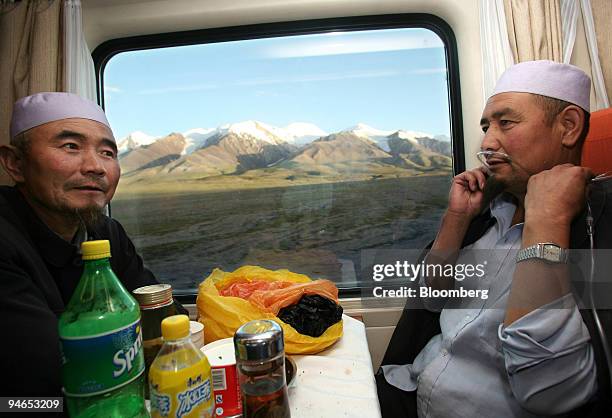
(378, 136)
(412, 136)
(444, 138)
(233, 149)
(338, 148)
(297, 133)
(195, 138)
(134, 140)
(158, 153)
(237, 146)
(251, 144)
(363, 130)
(250, 128)
(301, 133)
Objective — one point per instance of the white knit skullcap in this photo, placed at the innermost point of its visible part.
(547, 78)
(41, 108)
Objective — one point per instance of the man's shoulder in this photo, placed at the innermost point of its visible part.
(8, 202)
(603, 215)
(12, 227)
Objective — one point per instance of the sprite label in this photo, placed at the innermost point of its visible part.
(118, 360)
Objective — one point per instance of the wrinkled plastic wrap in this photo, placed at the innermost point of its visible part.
(223, 315)
(273, 296)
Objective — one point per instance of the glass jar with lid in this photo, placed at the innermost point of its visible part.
(156, 303)
(260, 363)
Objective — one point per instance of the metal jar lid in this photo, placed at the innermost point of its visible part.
(156, 294)
(259, 340)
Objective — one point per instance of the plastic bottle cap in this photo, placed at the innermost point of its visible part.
(175, 327)
(95, 250)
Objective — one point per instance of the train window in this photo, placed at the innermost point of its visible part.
(284, 146)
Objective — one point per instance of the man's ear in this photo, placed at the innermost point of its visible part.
(12, 162)
(571, 120)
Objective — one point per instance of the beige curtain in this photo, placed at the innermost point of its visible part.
(534, 29)
(602, 14)
(31, 49)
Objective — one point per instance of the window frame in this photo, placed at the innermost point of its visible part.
(108, 49)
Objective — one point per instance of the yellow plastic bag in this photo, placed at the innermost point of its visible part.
(223, 315)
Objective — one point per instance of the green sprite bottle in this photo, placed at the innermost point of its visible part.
(103, 364)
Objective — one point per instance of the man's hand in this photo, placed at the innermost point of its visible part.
(464, 203)
(466, 194)
(557, 195)
(554, 198)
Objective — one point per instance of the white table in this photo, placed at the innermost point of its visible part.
(338, 382)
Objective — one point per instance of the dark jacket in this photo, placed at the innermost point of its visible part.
(417, 326)
(38, 274)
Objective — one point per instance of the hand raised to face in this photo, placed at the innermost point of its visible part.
(557, 195)
(466, 194)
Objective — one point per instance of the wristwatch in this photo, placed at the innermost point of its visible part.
(547, 251)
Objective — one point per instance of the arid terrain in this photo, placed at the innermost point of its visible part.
(317, 229)
(293, 197)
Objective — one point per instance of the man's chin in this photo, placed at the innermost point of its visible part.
(90, 215)
(494, 186)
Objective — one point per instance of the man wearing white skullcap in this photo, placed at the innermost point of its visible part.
(525, 349)
(63, 160)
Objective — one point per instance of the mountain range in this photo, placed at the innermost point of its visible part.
(299, 147)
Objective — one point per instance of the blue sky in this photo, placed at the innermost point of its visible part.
(389, 79)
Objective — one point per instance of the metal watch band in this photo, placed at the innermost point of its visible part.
(547, 251)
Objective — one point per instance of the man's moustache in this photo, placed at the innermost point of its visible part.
(95, 183)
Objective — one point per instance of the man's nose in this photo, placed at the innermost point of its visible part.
(92, 163)
(490, 141)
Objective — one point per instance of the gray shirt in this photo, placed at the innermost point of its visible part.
(541, 364)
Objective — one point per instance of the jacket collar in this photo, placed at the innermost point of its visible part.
(54, 249)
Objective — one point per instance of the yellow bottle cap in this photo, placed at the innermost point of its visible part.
(175, 327)
(95, 250)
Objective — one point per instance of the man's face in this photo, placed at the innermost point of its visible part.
(515, 124)
(71, 167)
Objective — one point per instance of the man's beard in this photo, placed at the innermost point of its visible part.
(513, 183)
(493, 188)
(89, 216)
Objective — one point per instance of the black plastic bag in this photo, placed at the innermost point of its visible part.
(312, 315)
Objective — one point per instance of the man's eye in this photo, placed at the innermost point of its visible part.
(484, 129)
(70, 145)
(505, 122)
(110, 154)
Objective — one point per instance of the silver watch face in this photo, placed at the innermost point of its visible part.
(551, 252)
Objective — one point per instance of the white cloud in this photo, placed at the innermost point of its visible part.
(178, 89)
(427, 71)
(319, 77)
(112, 89)
(270, 81)
(338, 43)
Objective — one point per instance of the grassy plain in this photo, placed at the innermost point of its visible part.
(185, 229)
